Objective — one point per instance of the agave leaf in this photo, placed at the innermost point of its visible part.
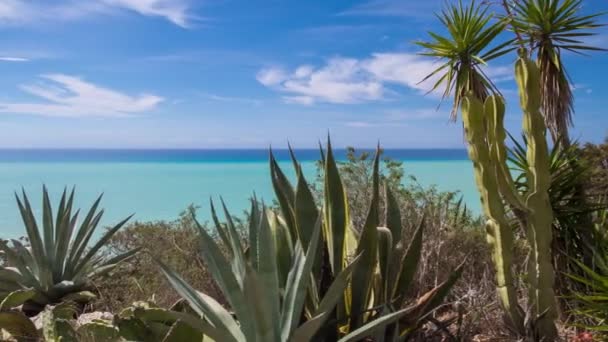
(255, 218)
(285, 195)
(368, 249)
(377, 324)
(238, 255)
(204, 305)
(267, 274)
(260, 302)
(393, 215)
(283, 246)
(306, 211)
(32, 232)
(222, 274)
(409, 264)
(335, 292)
(337, 218)
(218, 226)
(102, 242)
(297, 283)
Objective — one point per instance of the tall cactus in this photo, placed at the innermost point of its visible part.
(499, 233)
(486, 135)
(540, 217)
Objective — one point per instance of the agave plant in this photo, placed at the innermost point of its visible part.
(58, 264)
(385, 270)
(550, 27)
(303, 274)
(265, 308)
(465, 51)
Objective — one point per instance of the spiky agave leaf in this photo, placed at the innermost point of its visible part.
(264, 313)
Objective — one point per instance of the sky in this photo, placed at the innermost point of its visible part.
(239, 73)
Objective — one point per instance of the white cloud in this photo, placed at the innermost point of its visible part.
(19, 12)
(176, 11)
(342, 80)
(349, 80)
(13, 59)
(69, 96)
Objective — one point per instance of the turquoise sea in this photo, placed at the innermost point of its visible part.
(159, 184)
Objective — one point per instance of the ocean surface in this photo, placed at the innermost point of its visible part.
(159, 184)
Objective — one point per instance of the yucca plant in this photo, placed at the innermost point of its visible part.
(58, 264)
(385, 270)
(550, 27)
(464, 51)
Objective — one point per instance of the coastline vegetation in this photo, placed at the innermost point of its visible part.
(361, 253)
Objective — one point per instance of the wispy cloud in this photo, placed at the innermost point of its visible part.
(231, 99)
(350, 80)
(13, 59)
(20, 12)
(399, 8)
(69, 96)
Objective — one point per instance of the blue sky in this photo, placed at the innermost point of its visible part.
(236, 73)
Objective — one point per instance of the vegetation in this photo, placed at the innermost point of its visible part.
(360, 254)
(58, 264)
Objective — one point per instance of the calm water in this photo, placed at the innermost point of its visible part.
(158, 184)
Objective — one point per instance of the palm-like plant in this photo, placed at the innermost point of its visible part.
(549, 27)
(464, 52)
(58, 262)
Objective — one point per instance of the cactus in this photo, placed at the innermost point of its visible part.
(486, 135)
(540, 218)
(499, 234)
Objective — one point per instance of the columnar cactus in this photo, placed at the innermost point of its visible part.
(486, 135)
(499, 233)
(540, 215)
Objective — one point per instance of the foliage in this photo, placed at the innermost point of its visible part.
(378, 287)
(550, 27)
(596, 157)
(465, 51)
(486, 135)
(175, 243)
(574, 237)
(58, 263)
(594, 299)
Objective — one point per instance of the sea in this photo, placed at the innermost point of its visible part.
(159, 184)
